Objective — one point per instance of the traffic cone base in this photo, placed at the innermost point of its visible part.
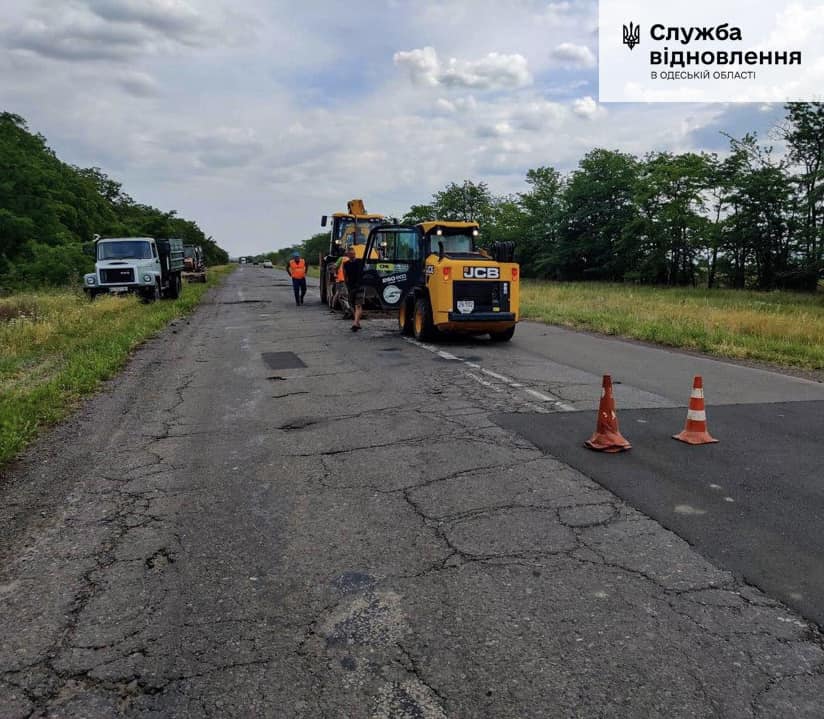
(607, 437)
(695, 437)
(695, 431)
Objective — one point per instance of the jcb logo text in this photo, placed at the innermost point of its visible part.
(482, 273)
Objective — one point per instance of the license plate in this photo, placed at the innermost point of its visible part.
(465, 307)
(118, 290)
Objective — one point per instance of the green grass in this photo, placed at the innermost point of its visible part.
(784, 328)
(56, 347)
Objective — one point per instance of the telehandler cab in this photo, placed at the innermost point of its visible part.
(349, 229)
(439, 280)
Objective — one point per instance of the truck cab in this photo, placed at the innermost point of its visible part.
(194, 263)
(439, 280)
(145, 266)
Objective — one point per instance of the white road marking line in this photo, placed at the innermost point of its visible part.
(481, 380)
(497, 376)
(559, 405)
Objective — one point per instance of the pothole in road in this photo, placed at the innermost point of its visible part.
(160, 559)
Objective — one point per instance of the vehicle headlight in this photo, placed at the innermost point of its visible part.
(90, 279)
(147, 278)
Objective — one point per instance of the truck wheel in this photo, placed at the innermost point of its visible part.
(324, 290)
(422, 326)
(504, 336)
(405, 319)
(151, 295)
(174, 287)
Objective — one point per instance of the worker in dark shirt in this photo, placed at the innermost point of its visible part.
(352, 270)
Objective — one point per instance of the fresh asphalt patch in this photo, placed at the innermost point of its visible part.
(282, 360)
(753, 504)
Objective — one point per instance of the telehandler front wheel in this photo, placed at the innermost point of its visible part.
(405, 319)
(422, 325)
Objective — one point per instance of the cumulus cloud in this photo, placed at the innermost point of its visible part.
(459, 104)
(495, 71)
(587, 107)
(572, 55)
(538, 115)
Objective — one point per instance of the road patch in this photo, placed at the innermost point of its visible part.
(751, 504)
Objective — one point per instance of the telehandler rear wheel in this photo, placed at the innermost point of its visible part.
(324, 288)
(405, 319)
(423, 327)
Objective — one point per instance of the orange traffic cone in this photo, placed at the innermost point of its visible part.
(695, 431)
(607, 437)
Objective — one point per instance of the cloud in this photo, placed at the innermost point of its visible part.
(173, 18)
(587, 107)
(496, 71)
(113, 30)
(221, 148)
(538, 115)
(75, 40)
(572, 55)
(459, 104)
(138, 84)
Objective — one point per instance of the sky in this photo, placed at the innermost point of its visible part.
(255, 117)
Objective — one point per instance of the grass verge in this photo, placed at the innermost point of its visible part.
(56, 347)
(784, 328)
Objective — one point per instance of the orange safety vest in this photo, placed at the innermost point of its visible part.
(341, 276)
(297, 269)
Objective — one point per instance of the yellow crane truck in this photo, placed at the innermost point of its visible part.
(349, 229)
(439, 280)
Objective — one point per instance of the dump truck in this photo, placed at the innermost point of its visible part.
(439, 279)
(349, 229)
(194, 263)
(146, 266)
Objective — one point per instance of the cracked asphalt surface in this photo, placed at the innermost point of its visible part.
(210, 537)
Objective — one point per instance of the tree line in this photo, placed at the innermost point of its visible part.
(50, 211)
(749, 219)
(752, 218)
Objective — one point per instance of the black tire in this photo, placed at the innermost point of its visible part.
(504, 336)
(331, 295)
(405, 319)
(174, 287)
(91, 294)
(423, 328)
(151, 295)
(324, 290)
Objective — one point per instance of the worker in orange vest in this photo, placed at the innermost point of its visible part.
(297, 271)
(341, 295)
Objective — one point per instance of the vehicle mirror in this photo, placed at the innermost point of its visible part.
(90, 249)
(323, 220)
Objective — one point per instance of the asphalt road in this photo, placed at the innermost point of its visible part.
(268, 515)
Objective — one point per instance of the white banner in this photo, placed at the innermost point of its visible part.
(711, 51)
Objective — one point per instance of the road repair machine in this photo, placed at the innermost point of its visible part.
(439, 280)
(349, 229)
